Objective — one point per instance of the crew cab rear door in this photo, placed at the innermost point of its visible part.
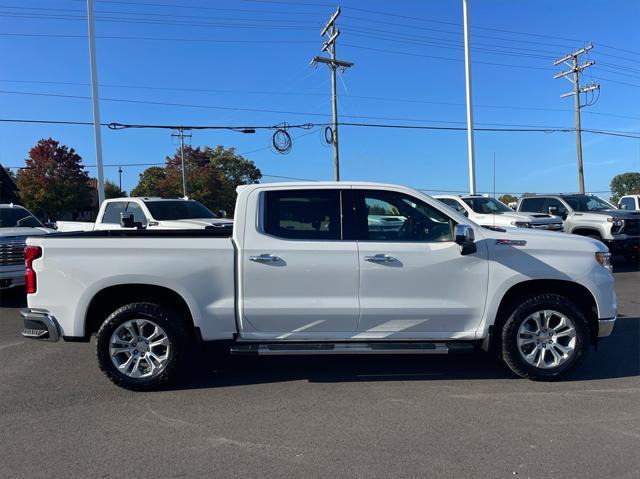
(414, 283)
(299, 276)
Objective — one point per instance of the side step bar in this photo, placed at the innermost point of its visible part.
(291, 349)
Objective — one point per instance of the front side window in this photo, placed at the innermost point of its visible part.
(534, 205)
(455, 204)
(627, 203)
(487, 206)
(391, 216)
(138, 214)
(555, 203)
(303, 214)
(585, 203)
(112, 212)
(166, 210)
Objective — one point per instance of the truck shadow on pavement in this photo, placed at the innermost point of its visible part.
(616, 357)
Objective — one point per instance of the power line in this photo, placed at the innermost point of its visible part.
(270, 93)
(533, 129)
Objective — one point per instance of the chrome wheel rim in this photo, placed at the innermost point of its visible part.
(547, 339)
(139, 349)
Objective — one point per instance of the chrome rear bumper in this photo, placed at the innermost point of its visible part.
(39, 324)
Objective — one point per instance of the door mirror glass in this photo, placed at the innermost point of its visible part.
(465, 237)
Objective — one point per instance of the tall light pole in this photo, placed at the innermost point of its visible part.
(467, 71)
(181, 135)
(96, 99)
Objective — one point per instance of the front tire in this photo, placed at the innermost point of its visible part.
(545, 338)
(141, 345)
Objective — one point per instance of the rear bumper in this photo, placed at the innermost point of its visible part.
(11, 278)
(605, 327)
(39, 324)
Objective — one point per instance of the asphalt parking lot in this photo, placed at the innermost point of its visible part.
(463, 416)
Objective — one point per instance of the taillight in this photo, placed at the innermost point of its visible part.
(31, 253)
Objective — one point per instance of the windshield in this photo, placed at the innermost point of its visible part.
(18, 217)
(178, 210)
(487, 205)
(587, 203)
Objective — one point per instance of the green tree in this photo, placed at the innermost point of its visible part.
(54, 180)
(213, 174)
(111, 190)
(506, 199)
(625, 184)
(150, 183)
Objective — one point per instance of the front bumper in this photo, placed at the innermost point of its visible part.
(627, 245)
(39, 324)
(605, 327)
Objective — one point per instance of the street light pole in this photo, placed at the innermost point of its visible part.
(467, 71)
(96, 100)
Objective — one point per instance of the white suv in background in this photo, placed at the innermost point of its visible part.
(490, 212)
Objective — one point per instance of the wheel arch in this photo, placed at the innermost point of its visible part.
(582, 231)
(110, 298)
(575, 292)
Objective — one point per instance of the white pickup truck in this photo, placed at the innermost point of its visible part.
(149, 213)
(305, 271)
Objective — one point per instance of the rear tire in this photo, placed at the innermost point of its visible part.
(545, 338)
(140, 346)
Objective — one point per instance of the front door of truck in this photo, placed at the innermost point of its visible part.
(413, 280)
(299, 276)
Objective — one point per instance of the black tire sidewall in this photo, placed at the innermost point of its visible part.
(163, 317)
(511, 353)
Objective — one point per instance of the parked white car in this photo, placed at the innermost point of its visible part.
(16, 225)
(629, 203)
(491, 212)
(149, 213)
(307, 271)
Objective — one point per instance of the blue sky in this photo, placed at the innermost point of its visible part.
(226, 57)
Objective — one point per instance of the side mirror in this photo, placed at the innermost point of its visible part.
(622, 207)
(221, 213)
(126, 221)
(465, 237)
(553, 210)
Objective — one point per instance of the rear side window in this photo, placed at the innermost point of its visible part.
(534, 205)
(303, 214)
(112, 212)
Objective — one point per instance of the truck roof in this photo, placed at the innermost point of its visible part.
(302, 184)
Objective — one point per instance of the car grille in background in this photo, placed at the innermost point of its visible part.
(11, 251)
(632, 227)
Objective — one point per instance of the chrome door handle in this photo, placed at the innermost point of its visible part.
(264, 258)
(380, 258)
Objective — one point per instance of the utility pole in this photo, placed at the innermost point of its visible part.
(332, 32)
(120, 178)
(96, 100)
(181, 135)
(467, 73)
(575, 70)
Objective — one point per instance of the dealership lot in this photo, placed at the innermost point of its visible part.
(368, 417)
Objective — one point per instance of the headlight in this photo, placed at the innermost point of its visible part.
(604, 258)
(521, 224)
(618, 225)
